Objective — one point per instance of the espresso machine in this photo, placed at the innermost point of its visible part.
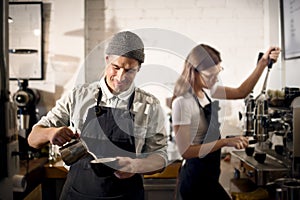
(275, 130)
(249, 116)
(261, 110)
(256, 120)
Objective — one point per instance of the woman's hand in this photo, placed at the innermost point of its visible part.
(239, 142)
(272, 53)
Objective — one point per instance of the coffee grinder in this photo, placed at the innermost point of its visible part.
(26, 100)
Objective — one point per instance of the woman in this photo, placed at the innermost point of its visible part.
(195, 120)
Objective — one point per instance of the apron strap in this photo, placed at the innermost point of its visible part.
(99, 97)
(206, 96)
(207, 112)
(197, 100)
(130, 102)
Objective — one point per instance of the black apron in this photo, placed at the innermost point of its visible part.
(200, 176)
(107, 132)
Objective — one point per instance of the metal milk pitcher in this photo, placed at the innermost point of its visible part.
(73, 151)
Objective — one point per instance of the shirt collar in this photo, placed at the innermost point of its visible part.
(108, 95)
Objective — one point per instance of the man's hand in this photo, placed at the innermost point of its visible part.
(62, 135)
(127, 167)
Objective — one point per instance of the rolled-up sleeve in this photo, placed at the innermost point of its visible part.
(71, 108)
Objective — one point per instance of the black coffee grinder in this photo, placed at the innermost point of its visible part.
(26, 100)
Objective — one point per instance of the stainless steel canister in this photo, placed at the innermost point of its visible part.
(291, 190)
(286, 188)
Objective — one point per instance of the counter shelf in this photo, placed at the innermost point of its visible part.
(259, 173)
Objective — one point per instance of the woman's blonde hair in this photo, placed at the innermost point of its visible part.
(200, 58)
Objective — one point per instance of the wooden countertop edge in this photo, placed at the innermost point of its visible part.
(171, 171)
(55, 170)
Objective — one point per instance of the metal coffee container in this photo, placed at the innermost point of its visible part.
(73, 151)
(291, 190)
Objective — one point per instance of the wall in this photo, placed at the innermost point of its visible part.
(291, 73)
(63, 50)
(239, 29)
(285, 73)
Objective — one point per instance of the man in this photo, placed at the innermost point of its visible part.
(115, 119)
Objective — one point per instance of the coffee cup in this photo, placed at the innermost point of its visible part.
(260, 157)
(249, 150)
(104, 166)
(279, 149)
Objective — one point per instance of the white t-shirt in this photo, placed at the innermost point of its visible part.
(185, 111)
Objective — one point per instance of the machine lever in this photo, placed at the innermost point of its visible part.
(270, 61)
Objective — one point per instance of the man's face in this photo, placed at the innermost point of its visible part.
(120, 73)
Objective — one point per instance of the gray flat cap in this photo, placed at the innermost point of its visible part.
(127, 44)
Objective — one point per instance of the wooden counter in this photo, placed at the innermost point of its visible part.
(55, 170)
(162, 185)
(171, 171)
